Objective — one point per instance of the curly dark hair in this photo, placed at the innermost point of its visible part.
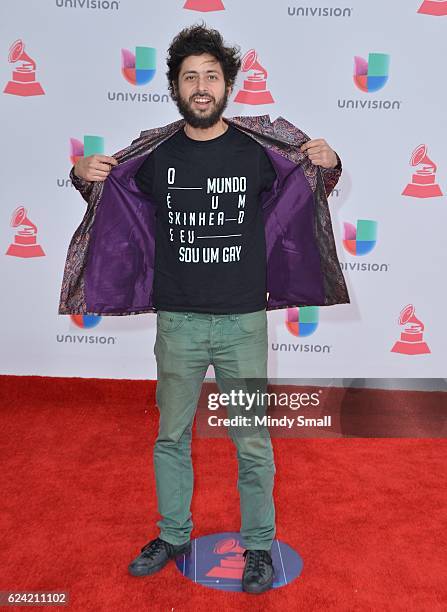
(198, 39)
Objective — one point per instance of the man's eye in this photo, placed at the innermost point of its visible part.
(213, 76)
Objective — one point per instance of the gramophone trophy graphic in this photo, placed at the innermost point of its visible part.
(204, 6)
(254, 90)
(232, 565)
(437, 8)
(25, 239)
(24, 76)
(423, 183)
(411, 339)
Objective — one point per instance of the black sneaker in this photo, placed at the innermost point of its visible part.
(258, 571)
(154, 556)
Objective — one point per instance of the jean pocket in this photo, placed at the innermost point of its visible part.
(252, 322)
(170, 321)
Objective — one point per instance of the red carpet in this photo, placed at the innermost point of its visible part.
(368, 516)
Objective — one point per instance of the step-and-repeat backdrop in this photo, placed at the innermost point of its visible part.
(369, 77)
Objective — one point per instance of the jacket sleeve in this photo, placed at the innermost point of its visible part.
(331, 176)
(84, 187)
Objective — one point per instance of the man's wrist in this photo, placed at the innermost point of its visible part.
(75, 173)
(75, 179)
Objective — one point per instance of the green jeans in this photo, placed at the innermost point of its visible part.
(186, 344)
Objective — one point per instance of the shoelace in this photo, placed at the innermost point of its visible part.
(152, 547)
(256, 560)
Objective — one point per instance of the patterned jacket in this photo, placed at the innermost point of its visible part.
(109, 268)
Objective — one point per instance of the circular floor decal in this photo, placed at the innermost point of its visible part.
(216, 561)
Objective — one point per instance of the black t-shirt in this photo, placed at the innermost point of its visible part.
(210, 251)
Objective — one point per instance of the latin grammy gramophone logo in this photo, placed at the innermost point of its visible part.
(423, 182)
(25, 238)
(23, 82)
(231, 563)
(411, 338)
(438, 8)
(91, 145)
(254, 90)
(204, 6)
(217, 561)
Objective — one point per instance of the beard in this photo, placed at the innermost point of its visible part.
(201, 119)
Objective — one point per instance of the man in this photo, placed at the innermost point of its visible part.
(209, 222)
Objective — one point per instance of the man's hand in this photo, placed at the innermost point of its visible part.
(94, 167)
(320, 153)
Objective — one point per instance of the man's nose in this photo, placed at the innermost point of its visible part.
(203, 83)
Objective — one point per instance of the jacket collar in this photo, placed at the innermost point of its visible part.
(279, 135)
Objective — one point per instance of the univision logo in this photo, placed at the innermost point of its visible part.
(370, 76)
(360, 240)
(89, 145)
(85, 322)
(138, 69)
(335, 193)
(104, 5)
(73, 339)
(318, 11)
(288, 347)
(302, 321)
